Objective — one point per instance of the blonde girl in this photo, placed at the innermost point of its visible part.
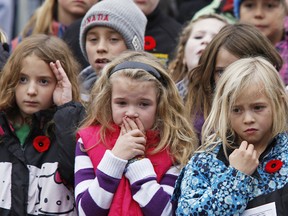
(243, 160)
(135, 135)
(39, 113)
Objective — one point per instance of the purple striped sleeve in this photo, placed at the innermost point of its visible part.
(137, 185)
(169, 180)
(84, 174)
(157, 203)
(107, 182)
(152, 196)
(90, 207)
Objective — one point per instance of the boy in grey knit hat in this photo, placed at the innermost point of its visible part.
(108, 28)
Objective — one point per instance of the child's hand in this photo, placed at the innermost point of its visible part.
(131, 141)
(63, 90)
(130, 124)
(130, 145)
(244, 159)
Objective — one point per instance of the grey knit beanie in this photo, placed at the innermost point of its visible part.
(124, 16)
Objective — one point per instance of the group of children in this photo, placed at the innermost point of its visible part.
(135, 146)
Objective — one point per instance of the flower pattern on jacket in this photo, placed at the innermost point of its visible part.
(209, 186)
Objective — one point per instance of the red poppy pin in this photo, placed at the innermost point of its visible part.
(150, 43)
(41, 143)
(273, 166)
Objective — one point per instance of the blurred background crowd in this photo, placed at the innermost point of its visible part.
(14, 14)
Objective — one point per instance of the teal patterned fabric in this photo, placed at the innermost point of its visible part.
(209, 186)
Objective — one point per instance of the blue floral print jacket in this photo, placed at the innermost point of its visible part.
(207, 185)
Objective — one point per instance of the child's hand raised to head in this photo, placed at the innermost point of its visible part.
(244, 159)
(63, 90)
(131, 141)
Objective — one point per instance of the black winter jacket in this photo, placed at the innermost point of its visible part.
(161, 35)
(37, 178)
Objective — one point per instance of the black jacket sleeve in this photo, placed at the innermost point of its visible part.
(67, 120)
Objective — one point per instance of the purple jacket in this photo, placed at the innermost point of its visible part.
(282, 48)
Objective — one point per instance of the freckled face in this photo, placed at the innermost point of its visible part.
(34, 91)
(134, 98)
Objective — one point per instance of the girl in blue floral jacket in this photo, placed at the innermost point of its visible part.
(243, 162)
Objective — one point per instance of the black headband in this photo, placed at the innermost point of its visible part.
(138, 65)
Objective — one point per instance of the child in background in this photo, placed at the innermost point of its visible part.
(40, 111)
(219, 53)
(108, 28)
(192, 42)
(53, 17)
(270, 17)
(133, 140)
(243, 161)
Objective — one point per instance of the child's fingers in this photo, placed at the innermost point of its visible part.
(126, 125)
(123, 130)
(140, 125)
(59, 72)
(132, 123)
(243, 145)
(250, 148)
(138, 133)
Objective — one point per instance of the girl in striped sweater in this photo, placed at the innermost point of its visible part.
(133, 141)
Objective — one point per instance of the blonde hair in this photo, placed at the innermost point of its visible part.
(3, 36)
(47, 48)
(175, 131)
(236, 79)
(177, 68)
(41, 20)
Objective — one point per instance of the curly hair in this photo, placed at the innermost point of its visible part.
(176, 131)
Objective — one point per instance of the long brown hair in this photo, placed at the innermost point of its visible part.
(47, 48)
(241, 40)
